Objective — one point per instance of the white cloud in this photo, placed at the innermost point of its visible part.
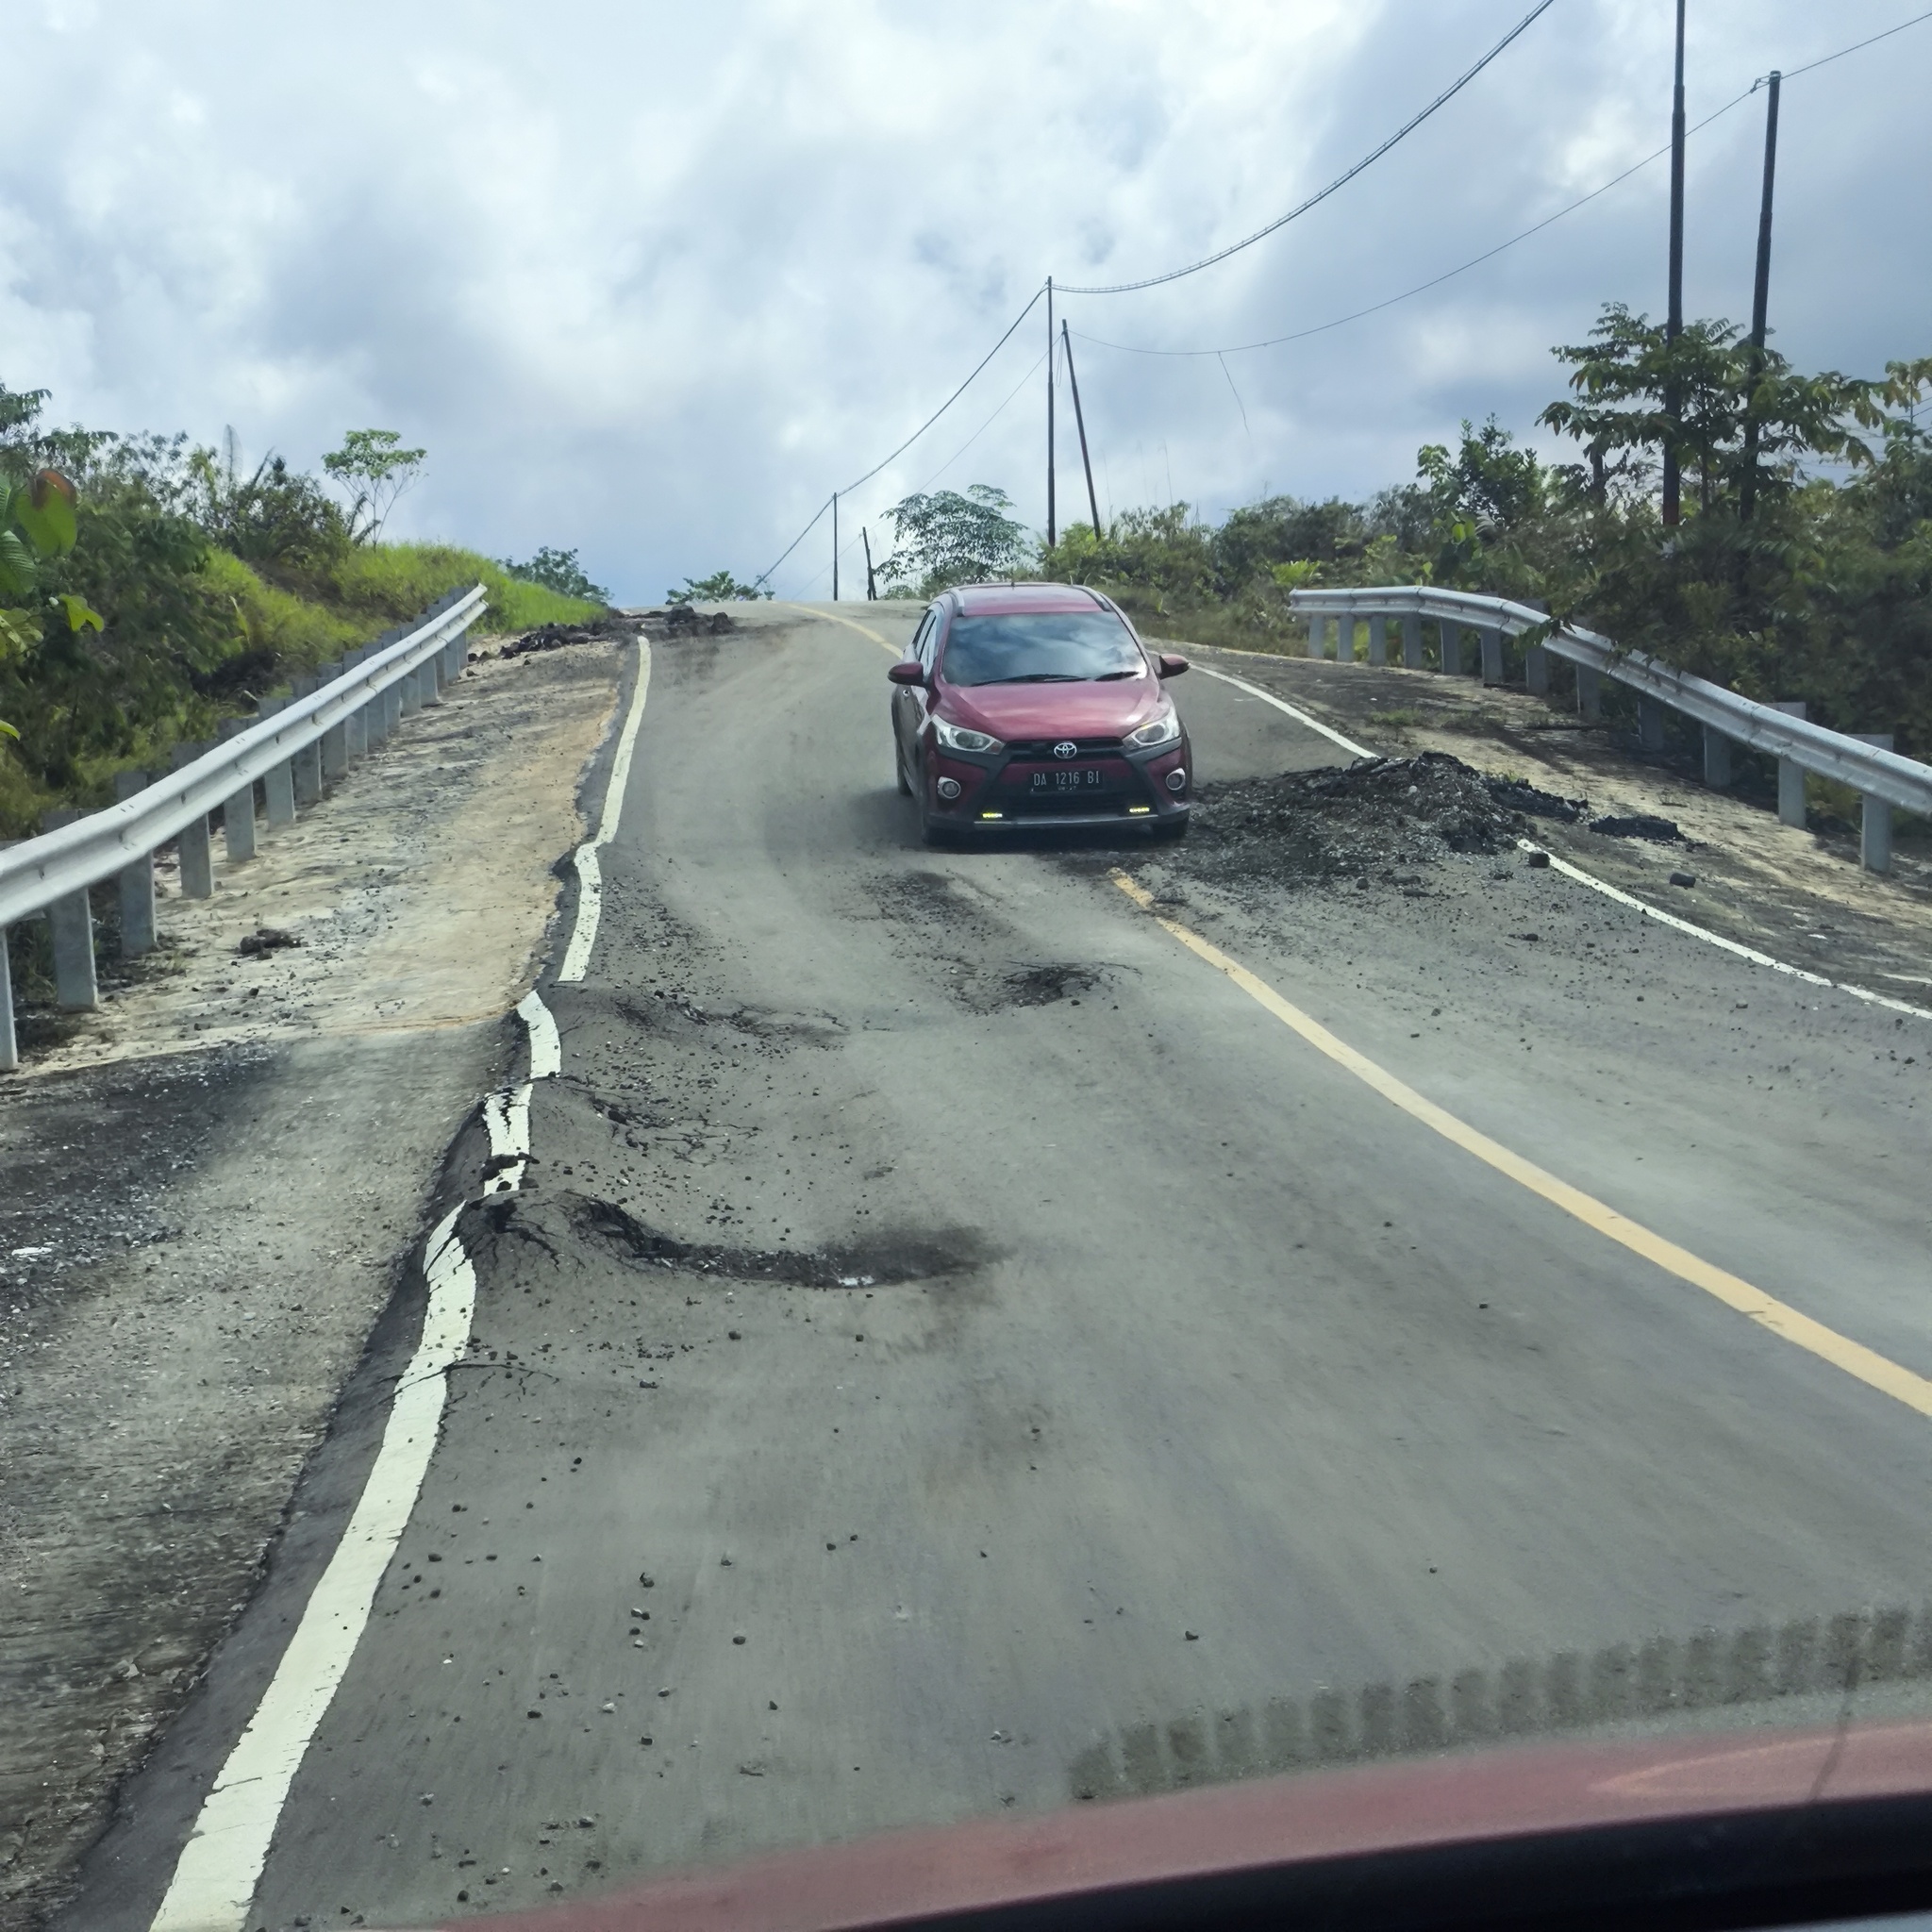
(650, 279)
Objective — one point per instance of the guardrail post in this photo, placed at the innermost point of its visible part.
(1791, 775)
(431, 676)
(1450, 652)
(279, 781)
(238, 813)
(335, 750)
(195, 846)
(1378, 639)
(1412, 642)
(1716, 758)
(1650, 724)
(391, 708)
(1536, 671)
(137, 880)
(407, 689)
(1589, 691)
(9, 1047)
(1493, 655)
(1874, 815)
(71, 922)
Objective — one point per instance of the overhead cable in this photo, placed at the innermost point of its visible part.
(823, 508)
(1448, 94)
(1421, 288)
(1490, 254)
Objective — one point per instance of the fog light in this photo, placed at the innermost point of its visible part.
(949, 787)
(1178, 779)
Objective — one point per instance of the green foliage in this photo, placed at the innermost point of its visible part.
(720, 587)
(372, 469)
(559, 571)
(1815, 584)
(949, 539)
(188, 590)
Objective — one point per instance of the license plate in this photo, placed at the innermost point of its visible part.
(1076, 778)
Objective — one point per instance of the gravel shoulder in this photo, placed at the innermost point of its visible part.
(212, 1188)
(1796, 894)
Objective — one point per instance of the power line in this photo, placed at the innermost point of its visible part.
(1857, 47)
(1448, 94)
(764, 575)
(1490, 254)
(824, 570)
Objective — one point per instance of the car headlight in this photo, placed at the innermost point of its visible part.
(957, 738)
(1161, 730)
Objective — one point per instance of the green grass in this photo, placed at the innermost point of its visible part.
(372, 587)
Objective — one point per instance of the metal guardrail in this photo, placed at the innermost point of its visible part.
(298, 744)
(1868, 764)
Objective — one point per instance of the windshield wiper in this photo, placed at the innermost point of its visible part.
(1039, 677)
(1107, 676)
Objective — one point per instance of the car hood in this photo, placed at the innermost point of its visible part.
(1052, 710)
(1614, 1829)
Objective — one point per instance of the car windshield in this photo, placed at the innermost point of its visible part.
(1040, 647)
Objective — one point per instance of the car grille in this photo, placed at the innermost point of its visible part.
(1042, 747)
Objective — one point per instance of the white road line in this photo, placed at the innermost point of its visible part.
(576, 955)
(221, 1864)
(1603, 886)
(1300, 717)
(1714, 939)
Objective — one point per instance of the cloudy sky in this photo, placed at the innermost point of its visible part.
(651, 280)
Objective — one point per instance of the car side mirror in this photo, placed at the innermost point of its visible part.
(1171, 665)
(906, 670)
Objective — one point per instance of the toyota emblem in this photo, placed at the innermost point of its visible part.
(1066, 748)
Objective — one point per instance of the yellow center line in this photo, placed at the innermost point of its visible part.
(1783, 1320)
(863, 630)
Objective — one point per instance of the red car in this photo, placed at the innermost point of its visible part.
(1036, 704)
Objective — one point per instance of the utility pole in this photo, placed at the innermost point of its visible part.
(1674, 323)
(835, 546)
(1080, 418)
(1049, 413)
(871, 589)
(1760, 299)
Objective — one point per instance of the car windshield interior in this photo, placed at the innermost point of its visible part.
(1040, 647)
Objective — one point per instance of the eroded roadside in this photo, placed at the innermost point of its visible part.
(1796, 894)
(212, 1186)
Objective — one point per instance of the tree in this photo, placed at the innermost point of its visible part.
(372, 469)
(1629, 368)
(559, 571)
(720, 587)
(949, 539)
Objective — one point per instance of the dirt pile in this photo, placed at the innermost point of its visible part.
(1365, 822)
(612, 627)
(687, 620)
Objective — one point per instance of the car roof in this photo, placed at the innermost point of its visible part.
(983, 599)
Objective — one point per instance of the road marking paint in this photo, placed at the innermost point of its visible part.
(863, 630)
(1300, 717)
(220, 1865)
(1870, 1368)
(576, 955)
(546, 1050)
(1717, 939)
(1602, 886)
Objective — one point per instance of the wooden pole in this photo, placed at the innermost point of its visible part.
(1049, 414)
(1080, 419)
(1760, 301)
(835, 546)
(1674, 323)
(871, 589)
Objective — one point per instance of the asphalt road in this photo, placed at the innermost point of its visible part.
(1177, 1375)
